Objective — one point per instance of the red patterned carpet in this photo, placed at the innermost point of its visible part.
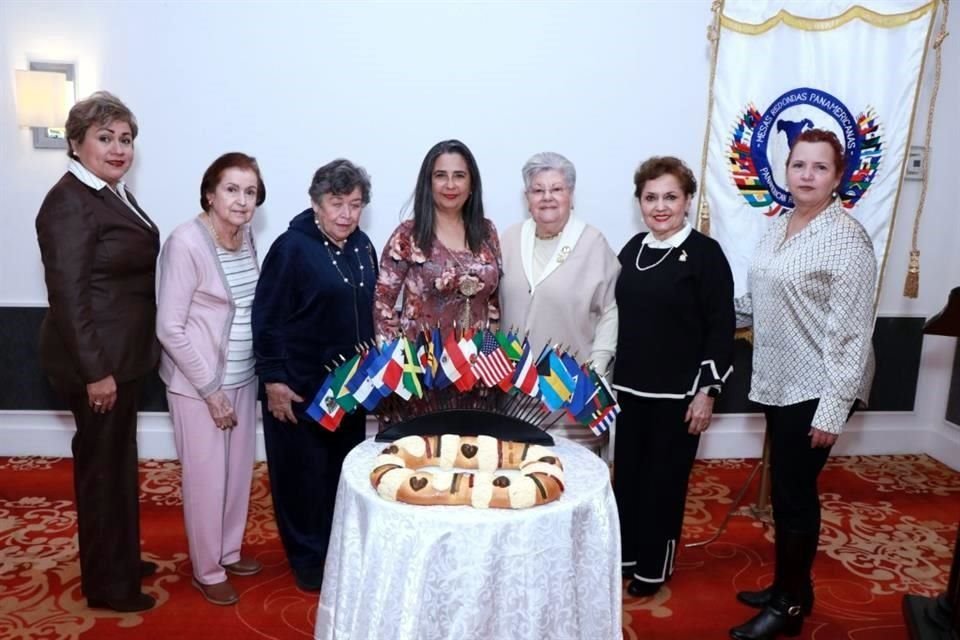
(889, 526)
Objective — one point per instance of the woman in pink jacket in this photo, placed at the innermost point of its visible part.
(208, 274)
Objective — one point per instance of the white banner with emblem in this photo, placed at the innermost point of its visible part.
(783, 66)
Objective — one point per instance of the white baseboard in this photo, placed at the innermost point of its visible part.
(48, 433)
(944, 445)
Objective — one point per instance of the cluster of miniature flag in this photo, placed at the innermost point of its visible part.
(464, 360)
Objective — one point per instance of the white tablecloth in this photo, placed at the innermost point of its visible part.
(407, 572)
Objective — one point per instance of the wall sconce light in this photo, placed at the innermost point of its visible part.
(45, 94)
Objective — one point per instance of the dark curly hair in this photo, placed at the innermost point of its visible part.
(658, 166)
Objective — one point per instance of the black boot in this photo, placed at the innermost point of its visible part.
(783, 613)
(760, 599)
(781, 617)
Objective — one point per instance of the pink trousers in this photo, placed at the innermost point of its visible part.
(217, 471)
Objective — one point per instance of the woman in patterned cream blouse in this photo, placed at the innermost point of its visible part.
(444, 265)
(811, 293)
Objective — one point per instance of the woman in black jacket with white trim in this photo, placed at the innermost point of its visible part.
(674, 347)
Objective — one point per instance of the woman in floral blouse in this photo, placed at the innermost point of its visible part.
(442, 267)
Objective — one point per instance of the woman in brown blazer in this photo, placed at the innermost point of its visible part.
(97, 341)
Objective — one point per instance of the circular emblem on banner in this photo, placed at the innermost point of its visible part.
(761, 142)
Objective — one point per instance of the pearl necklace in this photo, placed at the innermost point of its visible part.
(339, 251)
(208, 223)
(655, 264)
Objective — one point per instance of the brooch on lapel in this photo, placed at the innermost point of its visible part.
(564, 254)
(683, 256)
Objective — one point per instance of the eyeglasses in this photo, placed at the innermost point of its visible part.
(540, 192)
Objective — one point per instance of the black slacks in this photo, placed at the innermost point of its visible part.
(304, 462)
(107, 489)
(653, 456)
(794, 467)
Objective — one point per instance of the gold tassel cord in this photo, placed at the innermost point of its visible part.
(713, 36)
(911, 286)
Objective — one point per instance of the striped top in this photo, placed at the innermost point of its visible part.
(241, 273)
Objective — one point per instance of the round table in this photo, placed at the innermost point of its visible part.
(403, 571)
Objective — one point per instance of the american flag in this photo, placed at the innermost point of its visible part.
(492, 365)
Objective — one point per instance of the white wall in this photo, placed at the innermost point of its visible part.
(606, 83)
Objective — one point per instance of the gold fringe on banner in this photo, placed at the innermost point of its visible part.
(911, 286)
(856, 12)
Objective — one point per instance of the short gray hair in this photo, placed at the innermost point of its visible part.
(549, 161)
(100, 108)
(340, 178)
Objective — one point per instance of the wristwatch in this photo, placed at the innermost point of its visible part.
(713, 392)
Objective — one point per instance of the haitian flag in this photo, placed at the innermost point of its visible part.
(324, 397)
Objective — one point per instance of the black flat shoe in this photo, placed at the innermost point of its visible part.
(147, 568)
(308, 580)
(139, 602)
(641, 589)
